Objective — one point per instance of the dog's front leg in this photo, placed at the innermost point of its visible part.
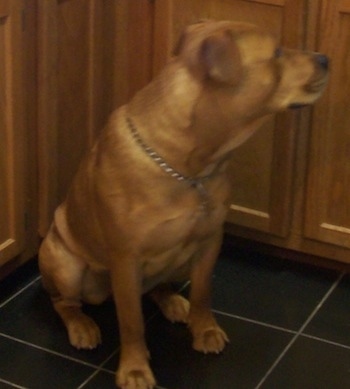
(208, 337)
(133, 371)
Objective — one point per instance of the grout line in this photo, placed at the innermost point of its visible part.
(12, 384)
(19, 292)
(108, 359)
(81, 362)
(91, 377)
(147, 322)
(184, 286)
(293, 340)
(94, 374)
(98, 369)
(346, 347)
(261, 323)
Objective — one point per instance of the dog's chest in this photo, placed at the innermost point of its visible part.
(173, 244)
(196, 220)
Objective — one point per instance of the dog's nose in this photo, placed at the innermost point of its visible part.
(322, 60)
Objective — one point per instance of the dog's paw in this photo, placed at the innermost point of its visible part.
(175, 308)
(211, 340)
(137, 378)
(84, 333)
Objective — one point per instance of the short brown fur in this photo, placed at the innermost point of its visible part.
(127, 227)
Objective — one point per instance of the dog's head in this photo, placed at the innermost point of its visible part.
(246, 65)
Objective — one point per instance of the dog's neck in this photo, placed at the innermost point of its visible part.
(178, 125)
(195, 182)
(162, 113)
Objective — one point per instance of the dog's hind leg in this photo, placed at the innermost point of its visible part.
(173, 306)
(63, 276)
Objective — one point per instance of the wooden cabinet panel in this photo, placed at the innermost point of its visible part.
(132, 47)
(261, 170)
(4, 8)
(12, 141)
(93, 55)
(76, 40)
(328, 191)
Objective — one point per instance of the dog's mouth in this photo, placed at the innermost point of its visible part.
(297, 105)
(317, 86)
(312, 92)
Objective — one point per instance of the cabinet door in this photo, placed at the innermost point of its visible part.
(75, 68)
(93, 55)
(261, 170)
(328, 191)
(12, 142)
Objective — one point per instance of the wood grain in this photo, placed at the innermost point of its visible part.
(12, 135)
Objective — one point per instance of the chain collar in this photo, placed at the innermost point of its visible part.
(194, 182)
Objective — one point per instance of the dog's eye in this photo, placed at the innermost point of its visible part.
(278, 53)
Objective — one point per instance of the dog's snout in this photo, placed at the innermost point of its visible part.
(322, 60)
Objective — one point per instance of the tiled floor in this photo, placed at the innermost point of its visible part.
(289, 326)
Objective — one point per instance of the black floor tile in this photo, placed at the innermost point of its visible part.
(30, 317)
(332, 322)
(18, 280)
(176, 365)
(312, 364)
(4, 385)
(270, 290)
(263, 292)
(101, 380)
(33, 368)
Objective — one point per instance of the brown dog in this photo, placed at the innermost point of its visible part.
(148, 203)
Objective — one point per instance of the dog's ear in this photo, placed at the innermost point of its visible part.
(210, 53)
(220, 57)
(187, 34)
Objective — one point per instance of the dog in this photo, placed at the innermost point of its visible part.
(148, 203)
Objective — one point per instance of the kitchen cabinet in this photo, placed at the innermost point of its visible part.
(17, 126)
(291, 180)
(320, 209)
(261, 170)
(75, 38)
(328, 185)
(66, 64)
(92, 56)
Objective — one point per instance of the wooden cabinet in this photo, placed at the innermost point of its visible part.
(87, 66)
(261, 170)
(66, 64)
(291, 180)
(11, 123)
(75, 41)
(16, 124)
(328, 186)
(320, 209)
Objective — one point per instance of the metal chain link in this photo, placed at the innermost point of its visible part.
(195, 182)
